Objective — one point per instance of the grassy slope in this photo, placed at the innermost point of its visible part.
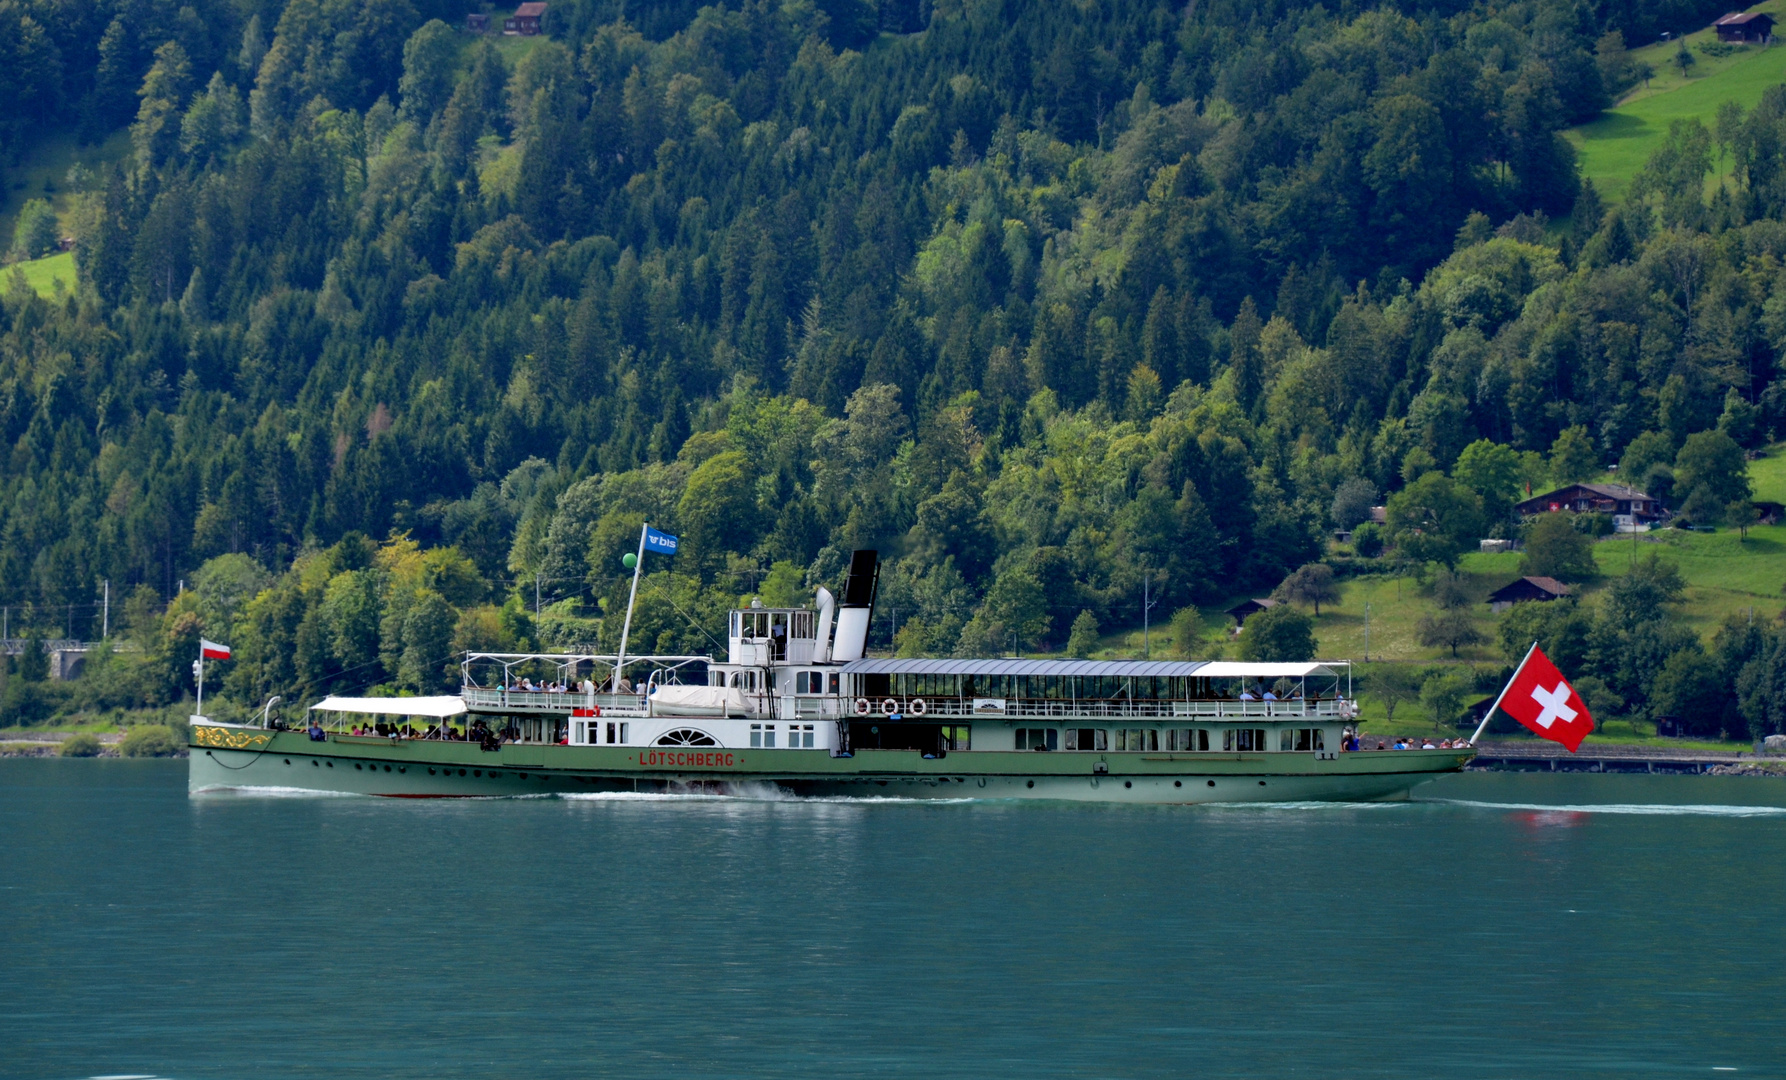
(48, 164)
(1614, 146)
(1768, 475)
(1725, 574)
(42, 274)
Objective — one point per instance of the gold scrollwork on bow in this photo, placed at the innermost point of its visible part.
(229, 740)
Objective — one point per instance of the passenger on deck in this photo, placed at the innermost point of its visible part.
(1427, 744)
(1380, 745)
(1269, 696)
(316, 732)
(1247, 695)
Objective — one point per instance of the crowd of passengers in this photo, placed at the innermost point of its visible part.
(587, 686)
(1404, 743)
(479, 732)
(1261, 692)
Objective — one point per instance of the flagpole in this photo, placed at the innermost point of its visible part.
(627, 626)
(1491, 709)
(201, 679)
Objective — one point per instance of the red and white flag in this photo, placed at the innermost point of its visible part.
(210, 650)
(1540, 698)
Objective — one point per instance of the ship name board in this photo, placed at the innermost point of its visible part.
(698, 759)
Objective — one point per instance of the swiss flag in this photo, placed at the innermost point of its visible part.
(1540, 698)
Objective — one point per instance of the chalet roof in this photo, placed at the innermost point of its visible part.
(1743, 18)
(1104, 668)
(1611, 491)
(1247, 607)
(1525, 585)
(532, 9)
(1605, 491)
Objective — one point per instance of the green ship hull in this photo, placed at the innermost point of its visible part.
(227, 757)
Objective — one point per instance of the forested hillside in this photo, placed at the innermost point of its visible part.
(384, 331)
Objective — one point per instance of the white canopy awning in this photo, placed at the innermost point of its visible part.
(436, 707)
(1226, 669)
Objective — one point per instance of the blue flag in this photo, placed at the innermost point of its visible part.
(659, 541)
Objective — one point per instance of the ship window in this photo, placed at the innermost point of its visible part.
(1038, 738)
(799, 736)
(812, 682)
(762, 735)
(1087, 738)
(1303, 740)
(831, 682)
(1137, 739)
(686, 737)
(1243, 739)
(1187, 739)
(957, 738)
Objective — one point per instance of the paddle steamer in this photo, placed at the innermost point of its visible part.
(798, 708)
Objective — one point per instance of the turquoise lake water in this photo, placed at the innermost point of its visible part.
(1499, 926)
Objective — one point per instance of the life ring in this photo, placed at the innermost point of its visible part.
(889, 707)
(862, 706)
(916, 706)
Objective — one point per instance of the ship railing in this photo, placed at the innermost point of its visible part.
(524, 701)
(909, 708)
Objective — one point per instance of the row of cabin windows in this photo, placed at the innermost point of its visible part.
(799, 736)
(770, 625)
(1050, 687)
(590, 732)
(1088, 688)
(1172, 740)
(805, 682)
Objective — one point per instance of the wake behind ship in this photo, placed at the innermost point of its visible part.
(798, 706)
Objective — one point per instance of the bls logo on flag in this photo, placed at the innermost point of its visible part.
(659, 541)
(1540, 698)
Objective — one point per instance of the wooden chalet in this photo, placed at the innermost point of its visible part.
(1241, 610)
(1745, 27)
(1628, 506)
(1527, 588)
(525, 22)
(477, 23)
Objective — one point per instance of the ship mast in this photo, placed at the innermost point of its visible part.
(627, 626)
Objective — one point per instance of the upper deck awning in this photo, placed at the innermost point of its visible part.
(436, 707)
(1198, 669)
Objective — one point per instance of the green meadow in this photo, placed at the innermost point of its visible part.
(44, 174)
(1615, 146)
(43, 274)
